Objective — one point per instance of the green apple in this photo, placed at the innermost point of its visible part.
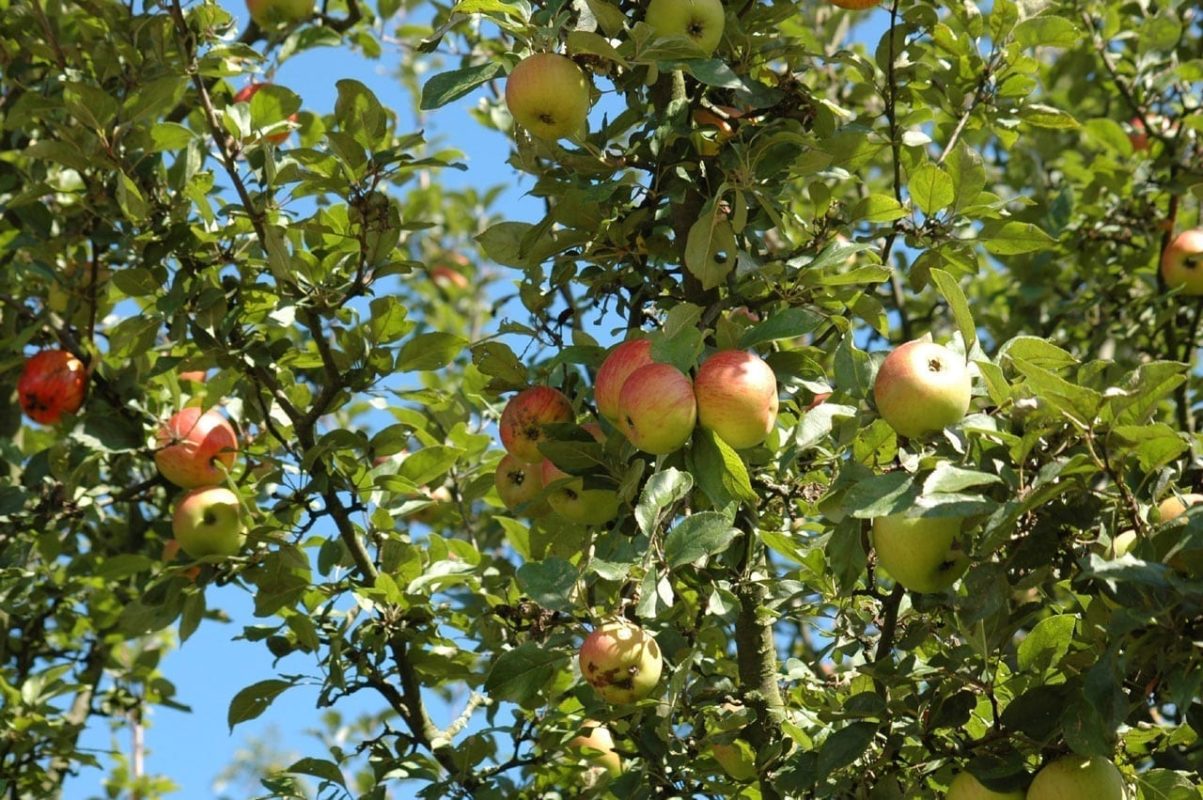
(1182, 263)
(921, 388)
(518, 484)
(657, 411)
(208, 522)
(573, 502)
(966, 787)
(1122, 544)
(597, 746)
(699, 21)
(614, 371)
(525, 415)
(921, 553)
(548, 94)
(621, 661)
(737, 397)
(1078, 778)
(270, 13)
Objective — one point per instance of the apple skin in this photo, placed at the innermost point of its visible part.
(921, 388)
(244, 96)
(269, 13)
(657, 411)
(737, 397)
(966, 787)
(518, 484)
(918, 552)
(1189, 562)
(700, 21)
(1182, 263)
(598, 746)
(194, 376)
(855, 5)
(525, 415)
(614, 371)
(188, 445)
(621, 661)
(1078, 778)
(448, 277)
(1121, 544)
(548, 94)
(208, 522)
(52, 383)
(576, 504)
(1139, 137)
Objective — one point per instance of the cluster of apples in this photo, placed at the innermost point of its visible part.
(52, 383)
(1067, 778)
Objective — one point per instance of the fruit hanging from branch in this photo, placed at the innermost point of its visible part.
(621, 661)
(966, 787)
(575, 503)
(1182, 263)
(737, 397)
(196, 448)
(208, 522)
(525, 415)
(624, 359)
(921, 388)
(518, 484)
(52, 383)
(596, 744)
(1078, 778)
(657, 410)
(921, 553)
(548, 94)
(699, 21)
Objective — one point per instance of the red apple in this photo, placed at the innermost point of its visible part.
(525, 415)
(448, 277)
(1139, 137)
(921, 388)
(548, 94)
(614, 371)
(737, 397)
(244, 96)
(1182, 263)
(52, 383)
(195, 376)
(621, 661)
(657, 411)
(191, 444)
(518, 484)
(208, 522)
(576, 504)
(597, 746)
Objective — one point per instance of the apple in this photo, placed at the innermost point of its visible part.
(270, 13)
(1182, 263)
(855, 5)
(1078, 778)
(1175, 506)
(700, 21)
(1139, 136)
(737, 758)
(525, 415)
(448, 277)
(922, 387)
(966, 787)
(575, 503)
(52, 383)
(518, 484)
(190, 443)
(548, 94)
(195, 376)
(820, 399)
(737, 397)
(614, 371)
(1121, 544)
(621, 661)
(657, 411)
(597, 745)
(713, 130)
(1190, 561)
(244, 96)
(921, 553)
(208, 522)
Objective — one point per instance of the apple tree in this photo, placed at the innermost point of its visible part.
(831, 433)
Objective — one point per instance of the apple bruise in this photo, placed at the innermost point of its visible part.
(616, 678)
(934, 366)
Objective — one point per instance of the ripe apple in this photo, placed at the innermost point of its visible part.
(922, 387)
(737, 397)
(614, 371)
(1175, 506)
(244, 96)
(966, 787)
(656, 409)
(518, 484)
(548, 94)
(1189, 561)
(208, 522)
(195, 376)
(52, 383)
(1139, 136)
(855, 5)
(621, 661)
(448, 277)
(574, 502)
(700, 21)
(597, 745)
(525, 415)
(1182, 263)
(921, 553)
(269, 13)
(1078, 778)
(188, 445)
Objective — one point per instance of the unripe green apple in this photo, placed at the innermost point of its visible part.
(208, 522)
(518, 484)
(525, 415)
(269, 13)
(656, 409)
(597, 746)
(966, 787)
(621, 661)
(921, 388)
(1182, 263)
(700, 21)
(548, 94)
(614, 371)
(574, 502)
(196, 448)
(921, 553)
(737, 397)
(1078, 778)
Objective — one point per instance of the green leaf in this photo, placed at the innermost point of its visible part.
(949, 478)
(662, 491)
(1014, 238)
(498, 360)
(931, 188)
(1047, 643)
(429, 351)
(710, 249)
(845, 746)
(1043, 116)
(719, 471)
(429, 463)
(951, 290)
(696, 536)
(519, 675)
(549, 583)
(252, 701)
(318, 768)
(449, 86)
(1046, 31)
(878, 208)
(881, 496)
(786, 324)
(136, 282)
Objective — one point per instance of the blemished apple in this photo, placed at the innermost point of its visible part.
(1182, 263)
(621, 661)
(597, 747)
(525, 415)
(52, 383)
(737, 397)
(657, 410)
(1078, 778)
(614, 371)
(196, 448)
(245, 94)
(518, 484)
(208, 522)
(700, 21)
(966, 787)
(921, 553)
(573, 502)
(548, 94)
(269, 13)
(921, 388)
